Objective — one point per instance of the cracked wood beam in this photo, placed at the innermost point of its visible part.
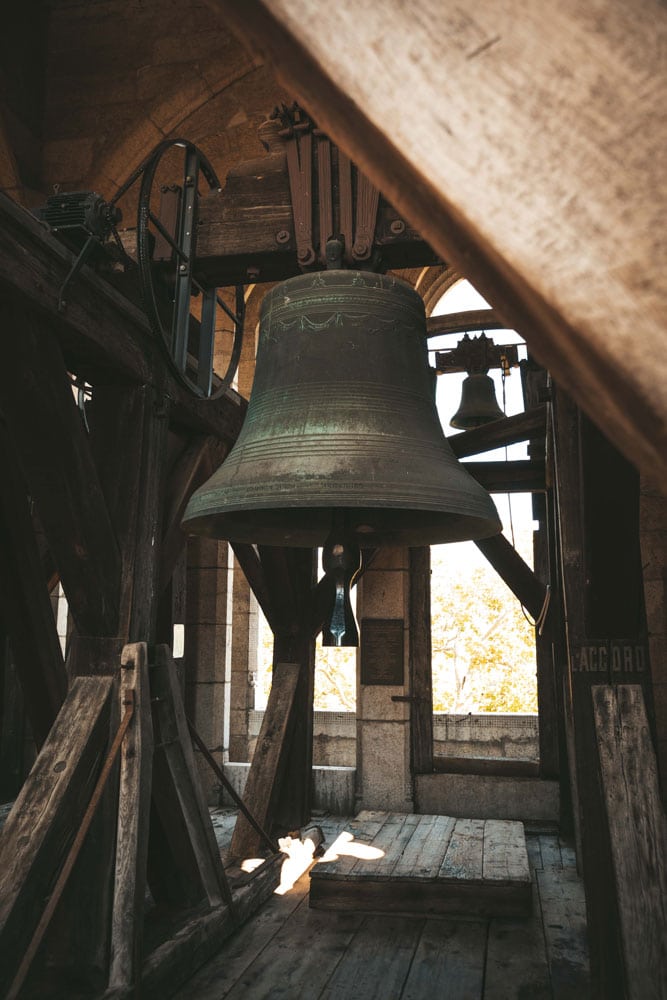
(562, 235)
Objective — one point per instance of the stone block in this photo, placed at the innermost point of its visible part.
(205, 706)
(652, 513)
(207, 596)
(207, 650)
(475, 796)
(383, 594)
(657, 652)
(374, 702)
(384, 778)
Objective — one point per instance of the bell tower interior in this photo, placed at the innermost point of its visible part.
(312, 313)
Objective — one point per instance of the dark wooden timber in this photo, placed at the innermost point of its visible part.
(529, 424)
(516, 573)
(50, 436)
(132, 824)
(463, 322)
(27, 610)
(268, 763)
(176, 746)
(46, 815)
(638, 834)
(421, 693)
(253, 571)
(598, 495)
(509, 477)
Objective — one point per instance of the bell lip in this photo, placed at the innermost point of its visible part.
(309, 527)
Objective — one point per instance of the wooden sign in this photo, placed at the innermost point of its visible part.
(382, 651)
(609, 657)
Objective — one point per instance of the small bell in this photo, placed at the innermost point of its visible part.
(478, 404)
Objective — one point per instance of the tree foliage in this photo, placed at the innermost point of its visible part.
(483, 645)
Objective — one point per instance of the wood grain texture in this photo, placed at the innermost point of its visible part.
(47, 812)
(638, 833)
(132, 822)
(268, 759)
(557, 217)
(175, 746)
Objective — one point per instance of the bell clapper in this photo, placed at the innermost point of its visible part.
(341, 562)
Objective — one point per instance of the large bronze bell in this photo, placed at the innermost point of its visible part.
(342, 417)
(478, 404)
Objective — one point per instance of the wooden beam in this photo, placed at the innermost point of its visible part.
(49, 434)
(250, 563)
(268, 760)
(463, 322)
(134, 800)
(27, 609)
(531, 217)
(638, 834)
(419, 661)
(509, 477)
(47, 813)
(500, 433)
(518, 576)
(175, 744)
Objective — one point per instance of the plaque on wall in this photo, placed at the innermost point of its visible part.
(382, 651)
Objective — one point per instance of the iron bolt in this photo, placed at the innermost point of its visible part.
(282, 236)
(397, 227)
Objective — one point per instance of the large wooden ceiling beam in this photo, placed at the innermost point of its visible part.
(527, 144)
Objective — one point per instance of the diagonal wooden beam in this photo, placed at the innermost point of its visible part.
(249, 561)
(531, 217)
(47, 814)
(50, 438)
(26, 604)
(516, 573)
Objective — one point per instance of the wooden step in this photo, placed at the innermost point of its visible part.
(402, 863)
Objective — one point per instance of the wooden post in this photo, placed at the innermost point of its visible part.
(638, 835)
(47, 813)
(132, 825)
(606, 639)
(421, 692)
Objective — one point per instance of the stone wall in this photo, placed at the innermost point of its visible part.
(487, 735)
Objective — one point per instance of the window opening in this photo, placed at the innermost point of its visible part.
(483, 644)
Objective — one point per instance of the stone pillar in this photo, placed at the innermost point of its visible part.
(653, 536)
(208, 640)
(384, 780)
(243, 666)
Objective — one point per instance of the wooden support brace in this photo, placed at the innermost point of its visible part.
(638, 835)
(268, 761)
(47, 814)
(518, 576)
(184, 803)
(132, 824)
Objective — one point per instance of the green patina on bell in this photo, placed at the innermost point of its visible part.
(342, 416)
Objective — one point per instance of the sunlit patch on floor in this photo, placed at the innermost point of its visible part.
(346, 845)
(299, 858)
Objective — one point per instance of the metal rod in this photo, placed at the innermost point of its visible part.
(230, 788)
(73, 854)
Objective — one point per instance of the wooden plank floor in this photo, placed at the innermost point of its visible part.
(425, 865)
(289, 950)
